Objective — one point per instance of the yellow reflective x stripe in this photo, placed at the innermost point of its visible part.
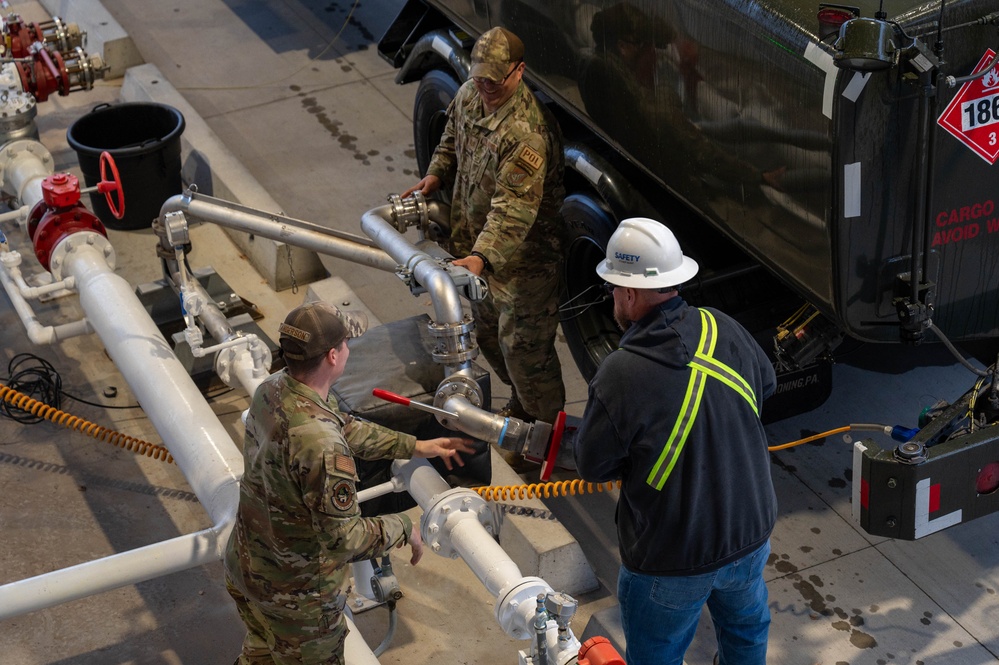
(719, 370)
(702, 366)
(678, 437)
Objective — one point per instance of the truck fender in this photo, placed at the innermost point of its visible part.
(435, 50)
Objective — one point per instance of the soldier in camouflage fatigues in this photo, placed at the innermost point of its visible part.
(501, 158)
(299, 523)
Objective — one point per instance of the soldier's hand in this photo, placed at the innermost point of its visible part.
(416, 544)
(427, 186)
(473, 264)
(445, 447)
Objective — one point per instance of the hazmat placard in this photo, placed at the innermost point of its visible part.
(973, 115)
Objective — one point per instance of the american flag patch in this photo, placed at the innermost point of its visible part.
(344, 464)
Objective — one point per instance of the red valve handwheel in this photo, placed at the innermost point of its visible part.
(106, 187)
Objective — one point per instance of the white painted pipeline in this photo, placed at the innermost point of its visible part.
(479, 549)
(38, 333)
(131, 567)
(27, 164)
(199, 443)
(290, 231)
(13, 268)
(498, 573)
(355, 650)
(484, 556)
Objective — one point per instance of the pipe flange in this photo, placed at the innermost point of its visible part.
(516, 605)
(454, 344)
(456, 357)
(451, 506)
(458, 385)
(228, 359)
(77, 239)
(15, 151)
(411, 211)
(451, 330)
(17, 111)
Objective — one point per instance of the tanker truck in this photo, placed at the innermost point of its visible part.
(830, 167)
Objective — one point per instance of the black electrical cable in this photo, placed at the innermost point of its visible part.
(39, 381)
(36, 377)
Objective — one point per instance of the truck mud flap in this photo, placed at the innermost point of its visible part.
(798, 391)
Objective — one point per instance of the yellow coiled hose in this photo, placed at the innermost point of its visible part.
(43, 410)
(544, 490)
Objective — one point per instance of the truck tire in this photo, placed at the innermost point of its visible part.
(586, 312)
(437, 89)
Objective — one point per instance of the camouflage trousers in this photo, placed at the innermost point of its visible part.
(515, 328)
(279, 639)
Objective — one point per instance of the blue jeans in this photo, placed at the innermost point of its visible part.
(660, 614)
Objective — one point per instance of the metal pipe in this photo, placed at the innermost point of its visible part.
(426, 270)
(484, 556)
(381, 489)
(200, 445)
(111, 572)
(452, 516)
(37, 333)
(26, 164)
(355, 650)
(278, 227)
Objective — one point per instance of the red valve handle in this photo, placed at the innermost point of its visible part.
(390, 397)
(557, 431)
(106, 187)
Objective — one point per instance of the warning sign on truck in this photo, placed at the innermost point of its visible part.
(973, 115)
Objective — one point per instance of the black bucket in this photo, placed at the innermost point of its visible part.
(144, 140)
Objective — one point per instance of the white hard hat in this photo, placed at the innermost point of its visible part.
(644, 254)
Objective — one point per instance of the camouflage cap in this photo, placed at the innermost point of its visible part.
(314, 328)
(493, 53)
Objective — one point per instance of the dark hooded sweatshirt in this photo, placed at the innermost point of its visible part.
(718, 502)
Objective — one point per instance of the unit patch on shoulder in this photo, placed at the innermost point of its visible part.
(344, 464)
(515, 178)
(343, 494)
(530, 159)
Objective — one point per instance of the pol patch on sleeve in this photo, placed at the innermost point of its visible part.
(530, 159)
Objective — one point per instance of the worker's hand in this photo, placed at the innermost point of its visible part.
(473, 264)
(427, 186)
(416, 544)
(445, 447)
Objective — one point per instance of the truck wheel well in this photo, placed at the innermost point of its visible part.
(585, 311)
(437, 89)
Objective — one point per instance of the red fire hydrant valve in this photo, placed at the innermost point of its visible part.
(599, 651)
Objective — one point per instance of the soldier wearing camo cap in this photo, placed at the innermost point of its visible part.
(299, 523)
(500, 156)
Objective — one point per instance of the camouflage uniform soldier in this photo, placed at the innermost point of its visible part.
(299, 523)
(501, 157)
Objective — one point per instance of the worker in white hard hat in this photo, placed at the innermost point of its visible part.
(674, 413)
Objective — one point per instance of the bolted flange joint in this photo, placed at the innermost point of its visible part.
(449, 508)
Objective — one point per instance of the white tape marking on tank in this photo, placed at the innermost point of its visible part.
(590, 172)
(851, 190)
(823, 60)
(856, 85)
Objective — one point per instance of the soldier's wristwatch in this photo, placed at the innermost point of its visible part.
(485, 262)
